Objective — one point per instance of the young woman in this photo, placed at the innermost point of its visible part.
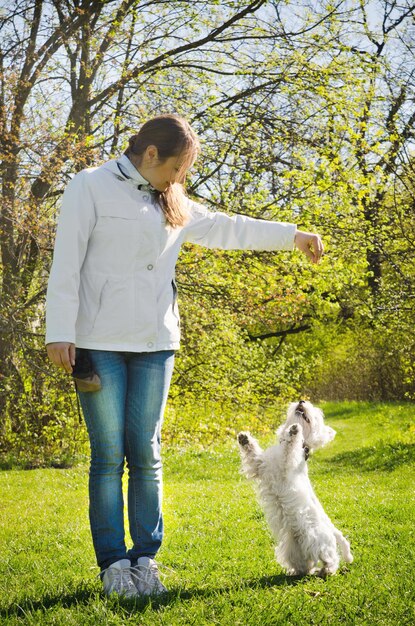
(111, 293)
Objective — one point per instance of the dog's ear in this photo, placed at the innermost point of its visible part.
(327, 435)
(331, 433)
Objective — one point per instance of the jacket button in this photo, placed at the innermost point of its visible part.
(150, 267)
(150, 344)
(146, 198)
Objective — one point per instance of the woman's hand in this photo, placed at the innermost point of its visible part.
(310, 244)
(62, 354)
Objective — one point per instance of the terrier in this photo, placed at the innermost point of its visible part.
(306, 538)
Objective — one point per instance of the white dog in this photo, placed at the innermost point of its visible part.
(306, 538)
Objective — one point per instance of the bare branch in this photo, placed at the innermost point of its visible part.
(115, 86)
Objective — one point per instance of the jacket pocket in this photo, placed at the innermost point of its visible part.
(91, 291)
(114, 315)
(117, 210)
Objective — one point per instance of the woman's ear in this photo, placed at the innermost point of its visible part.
(151, 155)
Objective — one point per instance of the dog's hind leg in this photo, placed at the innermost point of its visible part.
(344, 546)
(290, 554)
(330, 559)
(251, 453)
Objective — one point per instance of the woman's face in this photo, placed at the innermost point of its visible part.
(160, 175)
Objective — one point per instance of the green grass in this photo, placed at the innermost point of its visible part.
(218, 551)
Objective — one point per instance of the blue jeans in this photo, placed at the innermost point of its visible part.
(124, 423)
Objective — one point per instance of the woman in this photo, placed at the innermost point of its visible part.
(111, 292)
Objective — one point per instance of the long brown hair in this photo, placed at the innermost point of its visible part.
(172, 136)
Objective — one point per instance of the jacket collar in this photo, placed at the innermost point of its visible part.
(127, 169)
(131, 171)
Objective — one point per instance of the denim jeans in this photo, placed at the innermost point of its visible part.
(124, 422)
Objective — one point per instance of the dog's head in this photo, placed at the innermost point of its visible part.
(316, 433)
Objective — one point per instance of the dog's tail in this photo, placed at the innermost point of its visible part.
(344, 546)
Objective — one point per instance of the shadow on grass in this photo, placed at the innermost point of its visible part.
(383, 456)
(342, 412)
(362, 410)
(347, 410)
(84, 595)
(81, 596)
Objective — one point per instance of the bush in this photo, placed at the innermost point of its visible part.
(361, 364)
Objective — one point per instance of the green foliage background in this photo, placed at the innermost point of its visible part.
(305, 112)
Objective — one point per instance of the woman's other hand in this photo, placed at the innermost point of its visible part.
(310, 244)
(62, 354)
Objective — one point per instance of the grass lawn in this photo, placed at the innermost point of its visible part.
(218, 551)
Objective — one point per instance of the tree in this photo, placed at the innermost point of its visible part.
(304, 113)
(69, 71)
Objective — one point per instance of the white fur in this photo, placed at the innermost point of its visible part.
(306, 538)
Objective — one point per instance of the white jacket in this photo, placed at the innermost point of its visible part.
(111, 285)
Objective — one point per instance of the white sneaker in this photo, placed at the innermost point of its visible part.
(117, 579)
(146, 577)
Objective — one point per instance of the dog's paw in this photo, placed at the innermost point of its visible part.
(293, 430)
(326, 571)
(243, 439)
